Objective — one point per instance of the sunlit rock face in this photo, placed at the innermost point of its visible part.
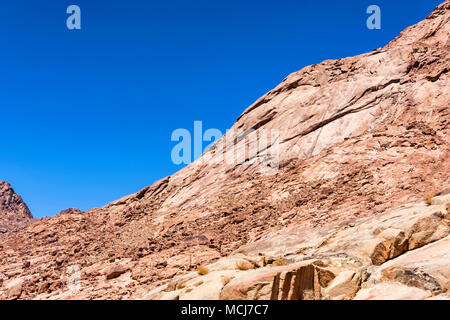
(339, 214)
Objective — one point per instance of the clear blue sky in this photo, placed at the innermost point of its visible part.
(86, 116)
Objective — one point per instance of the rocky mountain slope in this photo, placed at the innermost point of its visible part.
(331, 208)
(14, 213)
(402, 254)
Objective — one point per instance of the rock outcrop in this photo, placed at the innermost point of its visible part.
(330, 208)
(14, 213)
(401, 254)
(70, 210)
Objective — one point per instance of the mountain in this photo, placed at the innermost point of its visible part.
(70, 210)
(333, 185)
(14, 213)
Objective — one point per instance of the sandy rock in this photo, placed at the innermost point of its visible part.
(392, 291)
(114, 271)
(425, 268)
(70, 211)
(344, 286)
(336, 268)
(14, 213)
(338, 192)
(14, 289)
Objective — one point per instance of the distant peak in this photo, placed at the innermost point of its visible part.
(70, 211)
(14, 213)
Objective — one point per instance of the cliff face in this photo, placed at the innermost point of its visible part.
(355, 141)
(14, 213)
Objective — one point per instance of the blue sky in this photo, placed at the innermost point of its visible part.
(87, 115)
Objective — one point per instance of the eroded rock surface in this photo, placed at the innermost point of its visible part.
(14, 213)
(70, 210)
(339, 265)
(360, 141)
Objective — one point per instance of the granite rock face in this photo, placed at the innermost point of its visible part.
(14, 213)
(330, 208)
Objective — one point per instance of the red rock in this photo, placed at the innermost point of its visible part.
(357, 137)
(14, 213)
(70, 211)
(114, 271)
(14, 291)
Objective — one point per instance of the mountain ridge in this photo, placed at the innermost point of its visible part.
(14, 213)
(356, 137)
